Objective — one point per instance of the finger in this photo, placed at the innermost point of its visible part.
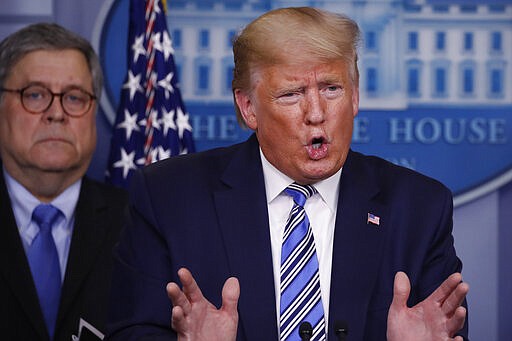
(456, 323)
(401, 290)
(230, 295)
(190, 287)
(178, 297)
(455, 299)
(178, 319)
(177, 315)
(446, 288)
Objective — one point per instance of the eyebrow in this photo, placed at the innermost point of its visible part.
(63, 89)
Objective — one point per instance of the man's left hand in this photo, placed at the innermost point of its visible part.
(439, 317)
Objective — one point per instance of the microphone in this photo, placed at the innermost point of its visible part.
(305, 331)
(341, 330)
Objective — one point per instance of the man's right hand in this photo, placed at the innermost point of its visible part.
(194, 318)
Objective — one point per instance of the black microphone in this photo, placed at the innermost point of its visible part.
(305, 331)
(341, 330)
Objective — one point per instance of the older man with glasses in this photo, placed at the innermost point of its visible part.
(37, 99)
(57, 226)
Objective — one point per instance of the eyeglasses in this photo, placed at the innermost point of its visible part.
(37, 99)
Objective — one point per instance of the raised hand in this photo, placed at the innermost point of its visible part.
(194, 318)
(437, 318)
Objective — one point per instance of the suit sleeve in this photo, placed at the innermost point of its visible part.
(431, 236)
(139, 306)
(441, 260)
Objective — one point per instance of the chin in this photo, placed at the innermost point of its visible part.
(320, 170)
(56, 165)
(316, 176)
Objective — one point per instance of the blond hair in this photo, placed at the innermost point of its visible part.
(293, 35)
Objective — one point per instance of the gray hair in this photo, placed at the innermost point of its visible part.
(47, 36)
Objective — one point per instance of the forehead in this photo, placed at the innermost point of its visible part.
(59, 67)
(329, 71)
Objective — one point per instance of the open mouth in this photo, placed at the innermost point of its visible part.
(317, 142)
(318, 149)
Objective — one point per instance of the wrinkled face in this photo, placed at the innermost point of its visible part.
(50, 141)
(303, 117)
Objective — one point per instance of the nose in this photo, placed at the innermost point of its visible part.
(55, 112)
(315, 109)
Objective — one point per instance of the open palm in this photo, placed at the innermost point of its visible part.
(437, 318)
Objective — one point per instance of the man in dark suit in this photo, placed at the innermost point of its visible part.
(50, 80)
(378, 236)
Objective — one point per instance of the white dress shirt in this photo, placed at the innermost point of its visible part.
(23, 204)
(321, 211)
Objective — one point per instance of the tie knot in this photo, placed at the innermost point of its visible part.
(300, 193)
(45, 215)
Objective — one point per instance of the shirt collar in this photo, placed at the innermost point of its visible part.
(23, 202)
(276, 182)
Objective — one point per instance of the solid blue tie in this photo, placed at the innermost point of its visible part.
(44, 264)
(301, 300)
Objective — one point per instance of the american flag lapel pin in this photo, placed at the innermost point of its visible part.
(373, 219)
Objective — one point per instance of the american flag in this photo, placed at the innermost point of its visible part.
(373, 219)
(152, 123)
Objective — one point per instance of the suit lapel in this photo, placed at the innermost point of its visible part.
(86, 241)
(243, 217)
(14, 265)
(357, 246)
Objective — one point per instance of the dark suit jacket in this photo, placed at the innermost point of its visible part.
(98, 221)
(208, 212)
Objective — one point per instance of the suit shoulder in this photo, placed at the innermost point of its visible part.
(97, 189)
(396, 176)
(192, 165)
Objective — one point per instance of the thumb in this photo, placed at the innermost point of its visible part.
(230, 295)
(401, 290)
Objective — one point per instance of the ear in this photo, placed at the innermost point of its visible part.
(355, 99)
(245, 106)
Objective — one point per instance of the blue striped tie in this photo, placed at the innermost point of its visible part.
(300, 281)
(44, 264)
